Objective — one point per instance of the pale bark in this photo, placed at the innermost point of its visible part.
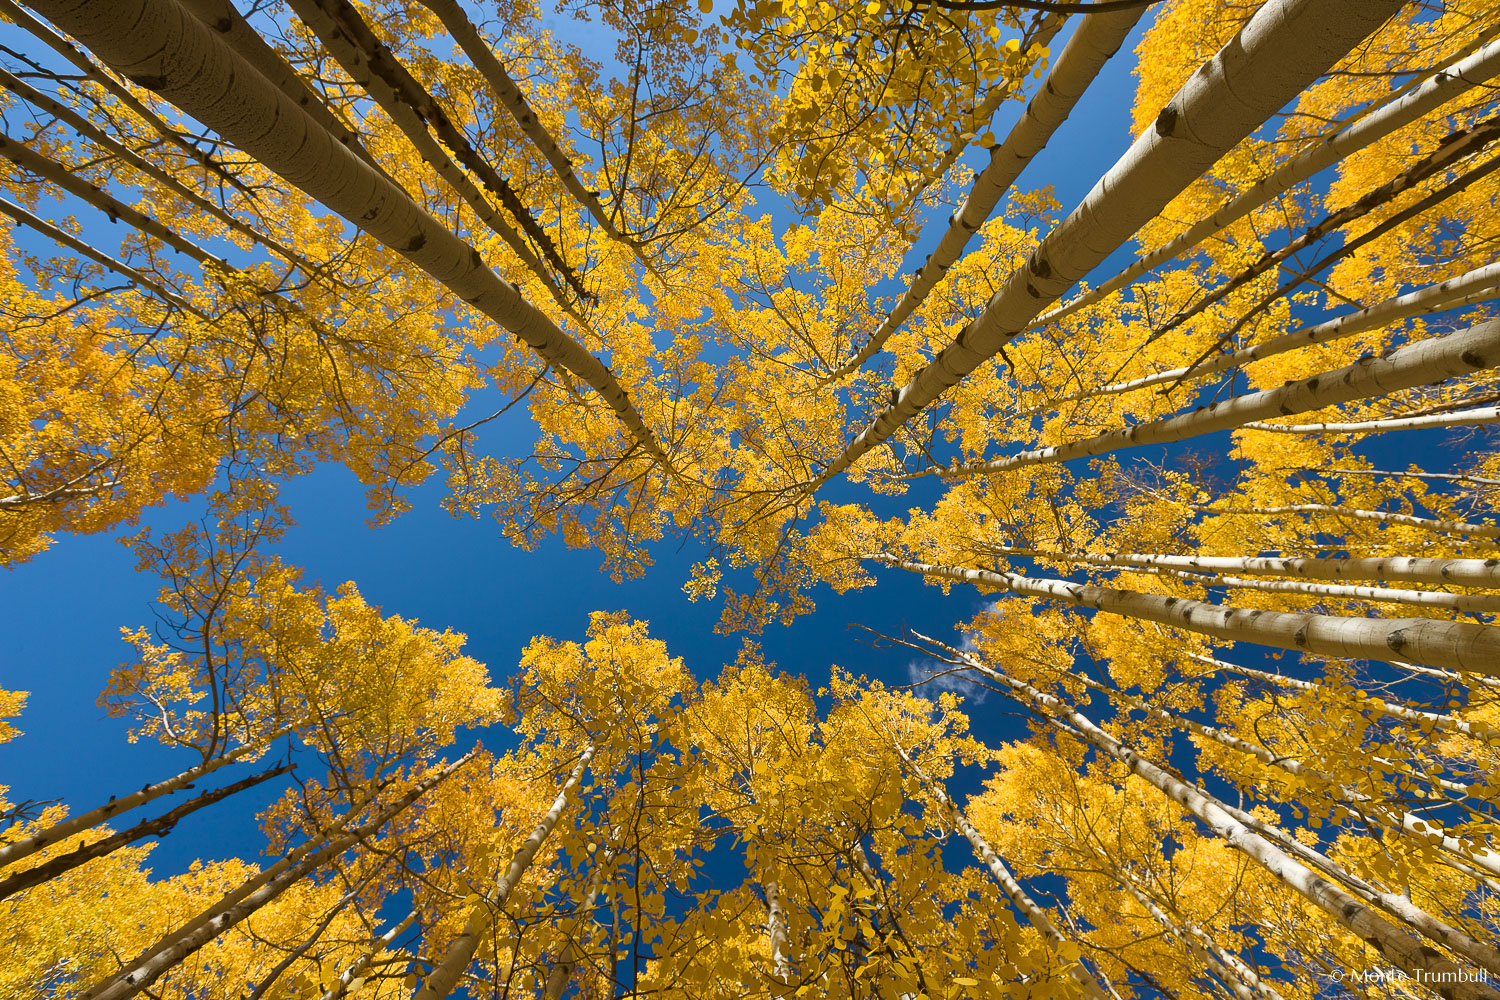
(1391, 942)
(1014, 891)
(188, 64)
(1096, 39)
(482, 55)
(11, 853)
(1283, 48)
(1428, 831)
(1478, 285)
(570, 954)
(124, 270)
(158, 827)
(1362, 514)
(119, 92)
(221, 16)
(1467, 603)
(781, 967)
(239, 904)
(346, 978)
(1412, 569)
(1455, 80)
(1240, 978)
(1457, 418)
(1422, 363)
(356, 62)
(1454, 645)
(447, 973)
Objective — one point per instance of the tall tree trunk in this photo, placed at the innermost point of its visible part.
(239, 904)
(11, 853)
(1391, 942)
(347, 978)
(1422, 363)
(1283, 48)
(1096, 39)
(447, 973)
(1412, 569)
(1361, 514)
(158, 44)
(1451, 82)
(1478, 285)
(1457, 418)
(158, 827)
(482, 55)
(781, 967)
(1014, 891)
(1455, 645)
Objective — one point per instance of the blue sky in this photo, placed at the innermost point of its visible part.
(63, 611)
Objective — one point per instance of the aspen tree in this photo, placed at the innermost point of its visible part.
(1387, 939)
(1239, 89)
(157, 40)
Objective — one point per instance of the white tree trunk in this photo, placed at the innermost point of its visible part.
(1361, 514)
(1422, 363)
(1453, 81)
(1014, 891)
(158, 44)
(88, 130)
(1391, 942)
(1456, 418)
(781, 967)
(1467, 603)
(1478, 285)
(482, 55)
(1096, 39)
(1412, 569)
(239, 904)
(447, 973)
(11, 853)
(346, 978)
(1283, 48)
(1454, 645)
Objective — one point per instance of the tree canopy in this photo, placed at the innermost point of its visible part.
(772, 283)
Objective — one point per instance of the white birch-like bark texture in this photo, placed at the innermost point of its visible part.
(1393, 943)
(1447, 84)
(1014, 891)
(160, 46)
(355, 62)
(158, 827)
(1096, 39)
(1478, 285)
(1454, 645)
(514, 100)
(11, 853)
(1422, 363)
(346, 978)
(781, 967)
(1467, 603)
(120, 93)
(1246, 988)
(238, 905)
(1283, 48)
(447, 974)
(569, 955)
(1412, 569)
(1457, 418)
(221, 16)
(1364, 514)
